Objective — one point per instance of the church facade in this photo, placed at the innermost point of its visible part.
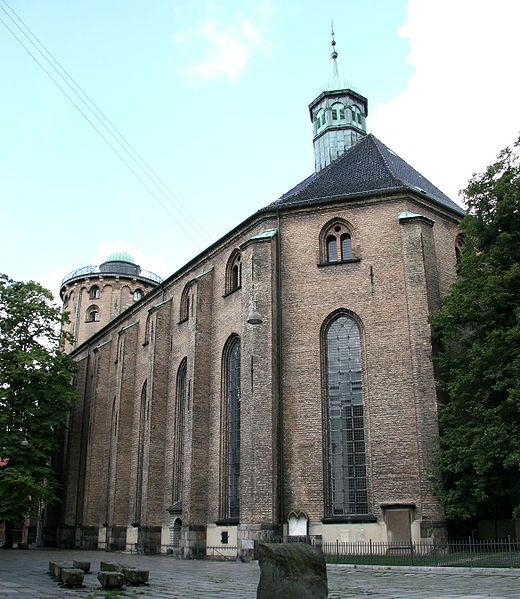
(280, 383)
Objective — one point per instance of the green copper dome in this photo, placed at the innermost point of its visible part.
(120, 257)
(336, 83)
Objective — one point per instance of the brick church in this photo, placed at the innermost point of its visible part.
(279, 383)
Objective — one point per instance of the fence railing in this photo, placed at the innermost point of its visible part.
(468, 553)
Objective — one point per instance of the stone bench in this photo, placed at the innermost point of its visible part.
(135, 576)
(72, 577)
(85, 566)
(111, 579)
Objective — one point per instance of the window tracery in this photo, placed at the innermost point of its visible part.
(346, 477)
(336, 243)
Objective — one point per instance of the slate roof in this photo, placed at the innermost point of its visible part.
(367, 168)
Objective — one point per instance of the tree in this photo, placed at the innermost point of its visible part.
(478, 331)
(35, 397)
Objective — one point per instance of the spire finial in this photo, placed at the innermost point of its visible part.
(334, 54)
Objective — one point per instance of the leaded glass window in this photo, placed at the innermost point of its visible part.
(233, 393)
(336, 242)
(347, 493)
(141, 434)
(178, 440)
(346, 247)
(332, 249)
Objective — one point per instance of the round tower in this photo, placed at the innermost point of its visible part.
(94, 295)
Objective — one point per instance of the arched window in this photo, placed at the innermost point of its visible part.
(92, 314)
(332, 248)
(337, 112)
(230, 465)
(138, 295)
(357, 115)
(94, 292)
(336, 243)
(186, 299)
(346, 246)
(148, 329)
(346, 479)
(319, 119)
(141, 435)
(178, 438)
(234, 272)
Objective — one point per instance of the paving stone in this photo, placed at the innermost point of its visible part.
(23, 576)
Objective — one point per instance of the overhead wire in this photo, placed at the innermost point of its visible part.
(96, 113)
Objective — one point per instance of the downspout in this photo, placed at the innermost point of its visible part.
(78, 314)
(280, 428)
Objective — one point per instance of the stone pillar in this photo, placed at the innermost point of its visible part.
(259, 399)
(196, 440)
(422, 298)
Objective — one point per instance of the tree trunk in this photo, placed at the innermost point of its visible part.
(8, 532)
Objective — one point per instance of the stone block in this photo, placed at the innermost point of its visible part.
(291, 571)
(85, 566)
(135, 576)
(72, 577)
(55, 568)
(111, 580)
(109, 567)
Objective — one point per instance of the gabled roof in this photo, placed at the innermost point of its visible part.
(368, 167)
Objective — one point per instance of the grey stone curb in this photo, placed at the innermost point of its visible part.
(445, 569)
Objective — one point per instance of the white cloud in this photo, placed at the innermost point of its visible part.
(226, 48)
(461, 106)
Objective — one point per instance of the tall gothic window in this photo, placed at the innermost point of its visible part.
(178, 439)
(346, 492)
(230, 474)
(141, 434)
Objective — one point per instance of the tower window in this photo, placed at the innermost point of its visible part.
(338, 112)
(94, 292)
(320, 119)
(92, 314)
(138, 295)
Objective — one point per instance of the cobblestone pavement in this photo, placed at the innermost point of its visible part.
(23, 574)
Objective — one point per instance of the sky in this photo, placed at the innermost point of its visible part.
(213, 96)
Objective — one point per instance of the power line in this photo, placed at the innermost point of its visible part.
(97, 114)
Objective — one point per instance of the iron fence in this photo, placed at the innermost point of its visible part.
(467, 553)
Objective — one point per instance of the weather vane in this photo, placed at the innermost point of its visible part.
(334, 54)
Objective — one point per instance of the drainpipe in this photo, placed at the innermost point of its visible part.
(281, 485)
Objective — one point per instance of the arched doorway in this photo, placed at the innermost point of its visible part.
(175, 534)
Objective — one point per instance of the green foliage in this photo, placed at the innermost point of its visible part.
(35, 395)
(478, 330)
